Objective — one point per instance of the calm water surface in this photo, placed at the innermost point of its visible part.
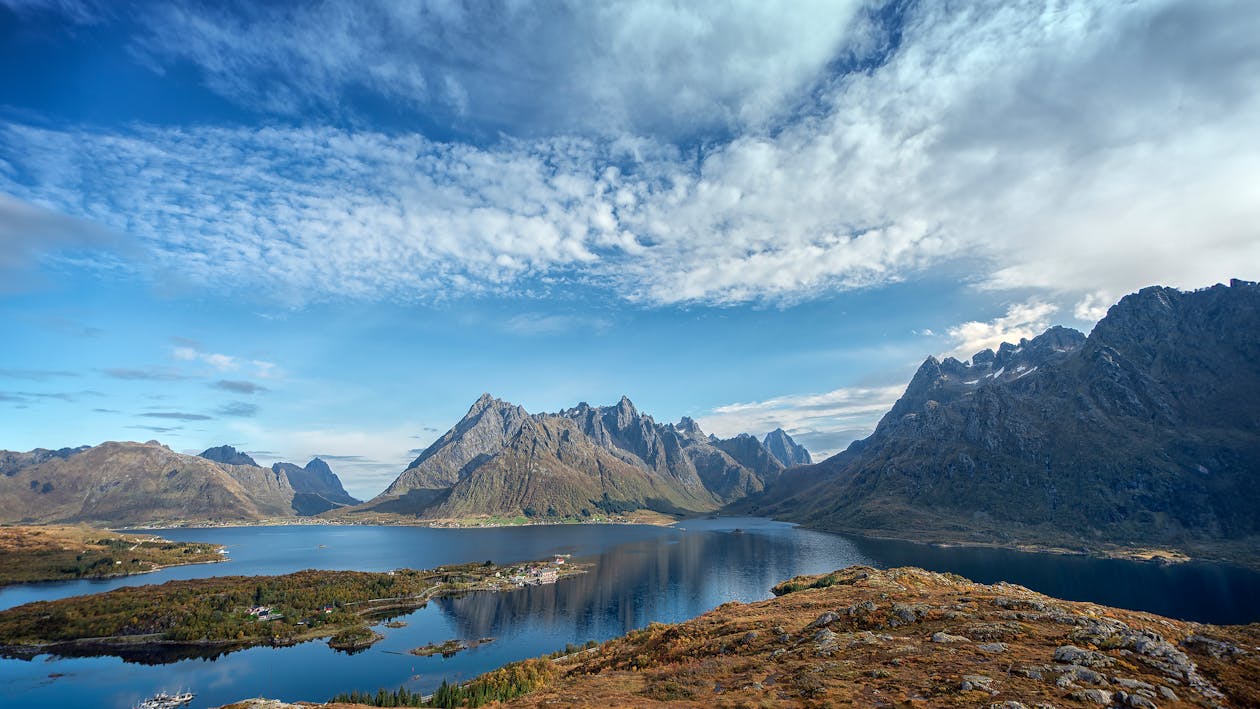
(641, 574)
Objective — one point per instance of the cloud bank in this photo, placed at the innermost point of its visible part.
(1079, 148)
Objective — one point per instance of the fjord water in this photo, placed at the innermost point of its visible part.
(640, 574)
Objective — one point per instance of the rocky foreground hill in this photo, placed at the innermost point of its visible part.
(502, 461)
(910, 638)
(124, 483)
(1146, 433)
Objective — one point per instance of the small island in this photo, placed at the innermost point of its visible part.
(234, 612)
(448, 648)
(62, 553)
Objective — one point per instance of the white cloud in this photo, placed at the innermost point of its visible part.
(824, 423)
(1093, 306)
(186, 350)
(644, 66)
(1022, 320)
(1077, 148)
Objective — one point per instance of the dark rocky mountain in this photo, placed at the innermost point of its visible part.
(227, 454)
(787, 451)
(1145, 433)
(316, 487)
(138, 483)
(501, 460)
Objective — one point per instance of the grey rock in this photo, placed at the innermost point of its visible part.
(1092, 695)
(825, 619)
(1216, 648)
(943, 637)
(1073, 655)
(992, 647)
(826, 641)
(976, 682)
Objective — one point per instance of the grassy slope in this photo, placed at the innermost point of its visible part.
(878, 650)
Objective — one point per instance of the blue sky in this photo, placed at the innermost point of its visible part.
(326, 228)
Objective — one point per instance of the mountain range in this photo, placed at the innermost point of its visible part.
(125, 483)
(500, 460)
(1144, 433)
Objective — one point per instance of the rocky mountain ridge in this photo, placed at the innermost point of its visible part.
(500, 460)
(1144, 433)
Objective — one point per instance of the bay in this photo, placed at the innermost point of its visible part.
(640, 574)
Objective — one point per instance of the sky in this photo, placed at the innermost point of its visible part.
(326, 228)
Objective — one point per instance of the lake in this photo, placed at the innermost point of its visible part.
(641, 574)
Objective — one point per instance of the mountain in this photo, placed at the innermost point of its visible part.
(785, 450)
(500, 460)
(1146, 433)
(138, 483)
(227, 454)
(316, 487)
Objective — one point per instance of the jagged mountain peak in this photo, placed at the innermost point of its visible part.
(1143, 433)
(688, 426)
(786, 450)
(682, 465)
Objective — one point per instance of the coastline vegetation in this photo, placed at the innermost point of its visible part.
(508, 682)
(60, 553)
(242, 611)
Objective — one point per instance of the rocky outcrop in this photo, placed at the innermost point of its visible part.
(1145, 433)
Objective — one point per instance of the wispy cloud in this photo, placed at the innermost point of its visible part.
(158, 429)
(824, 423)
(529, 324)
(176, 415)
(238, 386)
(36, 375)
(638, 66)
(238, 409)
(155, 374)
(187, 350)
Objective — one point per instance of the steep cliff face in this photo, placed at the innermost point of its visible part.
(500, 460)
(1146, 432)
